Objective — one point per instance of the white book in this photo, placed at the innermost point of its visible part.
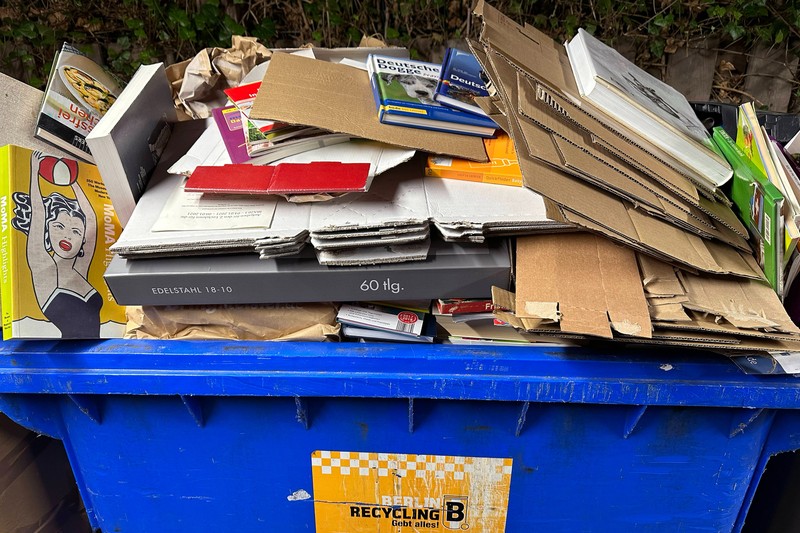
(128, 141)
(649, 107)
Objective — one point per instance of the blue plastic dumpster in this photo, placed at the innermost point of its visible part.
(282, 437)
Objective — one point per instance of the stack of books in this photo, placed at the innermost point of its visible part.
(417, 94)
(765, 192)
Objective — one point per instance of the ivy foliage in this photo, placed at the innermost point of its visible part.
(127, 33)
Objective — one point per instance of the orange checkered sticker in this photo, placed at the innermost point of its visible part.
(399, 493)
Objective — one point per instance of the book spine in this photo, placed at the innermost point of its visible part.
(70, 140)
(386, 284)
(481, 177)
(455, 307)
(759, 204)
(6, 252)
(440, 85)
(435, 112)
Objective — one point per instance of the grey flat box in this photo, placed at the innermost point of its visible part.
(452, 270)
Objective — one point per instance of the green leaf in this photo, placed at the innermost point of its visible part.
(354, 35)
(657, 47)
(232, 27)
(187, 34)
(179, 18)
(392, 33)
(27, 30)
(265, 32)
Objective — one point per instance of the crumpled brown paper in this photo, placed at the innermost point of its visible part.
(197, 83)
(278, 322)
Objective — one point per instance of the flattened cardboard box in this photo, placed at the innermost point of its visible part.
(714, 340)
(546, 60)
(616, 176)
(336, 97)
(586, 282)
(591, 208)
(581, 285)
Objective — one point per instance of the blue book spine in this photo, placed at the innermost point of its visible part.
(406, 87)
(461, 81)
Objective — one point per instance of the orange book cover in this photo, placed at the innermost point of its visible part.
(502, 168)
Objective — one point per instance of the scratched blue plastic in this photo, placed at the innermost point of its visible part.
(213, 436)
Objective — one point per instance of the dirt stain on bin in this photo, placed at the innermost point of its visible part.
(364, 430)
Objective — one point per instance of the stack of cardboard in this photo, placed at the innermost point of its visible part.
(583, 285)
(596, 174)
(385, 225)
(389, 223)
(470, 211)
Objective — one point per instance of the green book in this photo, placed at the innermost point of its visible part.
(759, 204)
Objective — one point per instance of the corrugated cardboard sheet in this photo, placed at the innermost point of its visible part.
(581, 285)
(599, 290)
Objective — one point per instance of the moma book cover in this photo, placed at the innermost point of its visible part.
(57, 225)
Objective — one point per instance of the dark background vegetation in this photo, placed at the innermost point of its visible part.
(127, 33)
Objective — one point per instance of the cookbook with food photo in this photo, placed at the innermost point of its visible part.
(79, 92)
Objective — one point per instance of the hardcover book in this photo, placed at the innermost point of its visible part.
(404, 95)
(646, 105)
(78, 94)
(760, 205)
(502, 168)
(462, 81)
(129, 140)
(57, 226)
(451, 270)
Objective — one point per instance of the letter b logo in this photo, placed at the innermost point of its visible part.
(455, 512)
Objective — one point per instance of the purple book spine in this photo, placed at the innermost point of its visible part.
(229, 122)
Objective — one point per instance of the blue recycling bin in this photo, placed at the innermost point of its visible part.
(281, 437)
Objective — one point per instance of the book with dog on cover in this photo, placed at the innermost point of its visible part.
(78, 94)
(404, 92)
(57, 226)
(462, 81)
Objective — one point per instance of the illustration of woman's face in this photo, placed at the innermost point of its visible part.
(66, 235)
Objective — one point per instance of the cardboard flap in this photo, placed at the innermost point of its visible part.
(533, 50)
(595, 284)
(704, 322)
(667, 312)
(336, 97)
(743, 303)
(658, 278)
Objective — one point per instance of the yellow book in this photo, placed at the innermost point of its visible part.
(502, 168)
(57, 225)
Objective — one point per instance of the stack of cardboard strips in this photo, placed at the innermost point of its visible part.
(685, 276)
(583, 285)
